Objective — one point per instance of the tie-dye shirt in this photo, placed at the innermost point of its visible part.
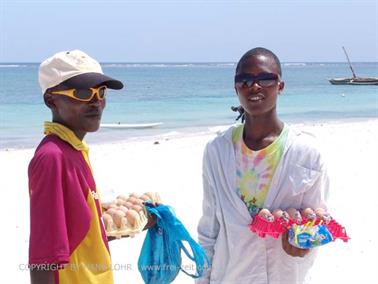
(255, 169)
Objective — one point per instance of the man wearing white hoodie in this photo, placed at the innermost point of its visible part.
(262, 163)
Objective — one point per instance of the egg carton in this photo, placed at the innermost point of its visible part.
(274, 228)
(125, 227)
(127, 216)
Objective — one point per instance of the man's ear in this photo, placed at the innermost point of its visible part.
(281, 86)
(49, 101)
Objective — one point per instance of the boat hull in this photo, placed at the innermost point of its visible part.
(130, 126)
(354, 81)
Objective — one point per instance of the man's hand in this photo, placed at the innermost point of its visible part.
(151, 221)
(292, 250)
(110, 238)
(41, 277)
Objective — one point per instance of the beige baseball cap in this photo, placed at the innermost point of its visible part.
(74, 69)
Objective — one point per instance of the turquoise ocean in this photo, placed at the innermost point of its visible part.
(186, 97)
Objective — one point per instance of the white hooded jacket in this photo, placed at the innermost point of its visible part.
(238, 255)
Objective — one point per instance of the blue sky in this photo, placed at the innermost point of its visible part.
(189, 31)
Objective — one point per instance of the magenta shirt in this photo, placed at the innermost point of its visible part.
(59, 183)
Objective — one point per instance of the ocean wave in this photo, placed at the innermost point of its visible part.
(295, 64)
(165, 65)
(12, 65)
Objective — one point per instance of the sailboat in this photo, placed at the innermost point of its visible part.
(355, 80)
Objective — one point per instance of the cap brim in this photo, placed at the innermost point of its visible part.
(90, 80)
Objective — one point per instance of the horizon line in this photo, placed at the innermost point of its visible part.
(185, 62)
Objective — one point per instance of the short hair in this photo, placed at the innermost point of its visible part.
(259, 51)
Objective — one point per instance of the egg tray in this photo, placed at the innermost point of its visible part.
(127, 215)
(126, 228)
(275, 228)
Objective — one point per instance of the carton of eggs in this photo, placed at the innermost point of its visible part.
(126, 215)
(299, 223)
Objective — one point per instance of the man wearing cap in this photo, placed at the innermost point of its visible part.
(68, 243)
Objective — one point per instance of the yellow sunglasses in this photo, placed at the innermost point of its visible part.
(84, 95)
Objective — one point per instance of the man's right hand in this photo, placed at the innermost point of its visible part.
(292, 250)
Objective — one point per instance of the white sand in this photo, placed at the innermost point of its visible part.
(173, 168)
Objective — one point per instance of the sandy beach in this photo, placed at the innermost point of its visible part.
(173, 169)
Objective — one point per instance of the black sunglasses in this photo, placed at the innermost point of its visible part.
(248, 80)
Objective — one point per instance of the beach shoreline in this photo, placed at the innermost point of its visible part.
(95, 139)
(172, 167)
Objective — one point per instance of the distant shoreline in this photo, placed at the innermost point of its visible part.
(200, 62)
(95, 138)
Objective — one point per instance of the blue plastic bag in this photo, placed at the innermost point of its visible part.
(160, 258)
